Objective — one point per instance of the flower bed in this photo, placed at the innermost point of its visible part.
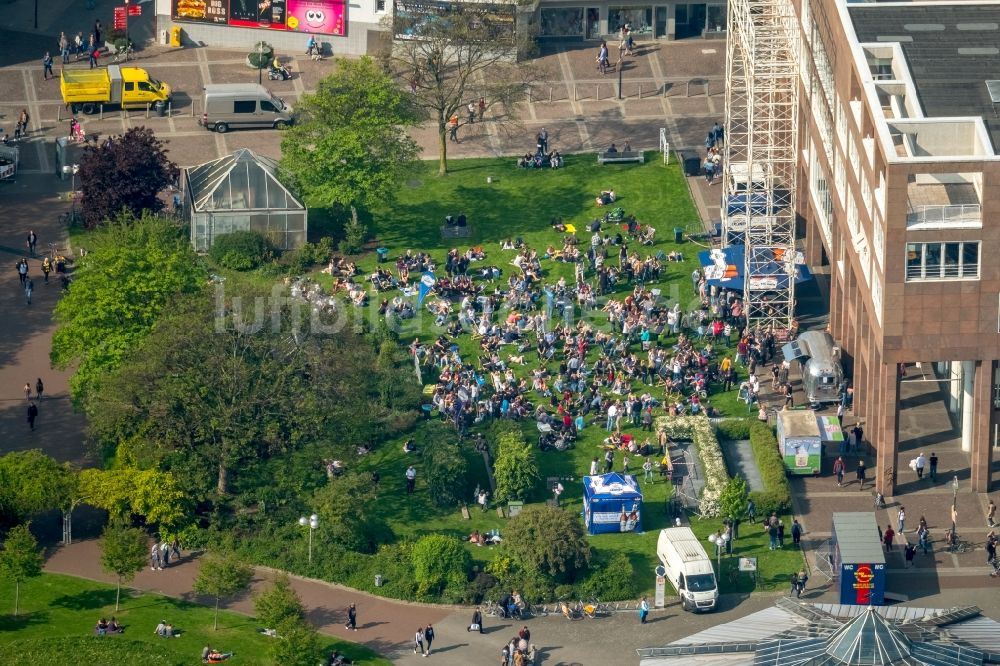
(701, 431)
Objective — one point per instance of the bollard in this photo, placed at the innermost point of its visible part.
(170, 109)
(550, 94)
(597, 93)
(640, 89)
(529, 94)
(147, 110)
(100, 113)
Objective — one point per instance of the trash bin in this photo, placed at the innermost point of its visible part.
(378, 580)
(175, 36)
(160, 108)
(678, 235)
(383, 254)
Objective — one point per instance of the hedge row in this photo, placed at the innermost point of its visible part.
(777, 493)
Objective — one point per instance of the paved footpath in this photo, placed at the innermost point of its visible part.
(387, 626)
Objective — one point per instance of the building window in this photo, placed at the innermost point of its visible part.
(942, 261)
(562, 21)
(639, 19)
(379, 6)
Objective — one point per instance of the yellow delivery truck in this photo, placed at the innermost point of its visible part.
(87, 89)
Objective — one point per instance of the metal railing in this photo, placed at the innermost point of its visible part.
(943, 214)
(631, 89)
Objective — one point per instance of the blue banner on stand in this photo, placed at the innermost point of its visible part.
(427, 281)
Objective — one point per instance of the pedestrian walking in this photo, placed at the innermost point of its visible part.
(92, 52)
(772, 533)
(991, 547)
(861, 474)
(838, 471)
(643, 610)
(888, 536)
(22, 270)
(991, 512)
(165, 553)
(418, 641)
(477, 621)
(933, 460)
(64, 47)
(46, 269)
(39, 388)
(352, 618)
(647, 468)
(453, 128)
(175, 548)
(796, 533)
(920, 465)
(32, 414)
(471, 108)
(411, 479)
(609, 461)
(751, 512)
(781, 534)
(625, 463)
(901, 519)
(482, 108)
(924, 539)
(29, 287)
(543, 140)
(801, 579)
(27, 390)
(78, 43)
(154, 558)
(908, 552)
(47, 66)
(594, 465)
(428, 637)
(32, 242)
(794, 582)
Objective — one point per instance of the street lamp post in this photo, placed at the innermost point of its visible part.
(126, 30)
(72, 169)
(260, 62)
(954, 489)
(312, 522)
(719, 540)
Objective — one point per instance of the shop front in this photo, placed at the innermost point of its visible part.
(561, 21)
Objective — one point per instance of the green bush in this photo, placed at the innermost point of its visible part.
(734, 429)
(278, 604)
(549, 541)
(612, 581)
(777, 494)
(440, 562)
(355, 234)
(241, 250)
(260, 55)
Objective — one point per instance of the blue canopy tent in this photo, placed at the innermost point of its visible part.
(612, 503)
(725, 268)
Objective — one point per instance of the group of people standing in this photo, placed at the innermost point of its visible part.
(78, 46)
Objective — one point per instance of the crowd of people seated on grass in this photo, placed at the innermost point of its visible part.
(312, 293)
(540, 160)
(341, 267)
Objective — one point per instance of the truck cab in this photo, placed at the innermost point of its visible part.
(139, 88)
(688, 568)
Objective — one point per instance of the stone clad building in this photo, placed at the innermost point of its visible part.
(898, 196)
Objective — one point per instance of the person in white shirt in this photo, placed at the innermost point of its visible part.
(593, 467)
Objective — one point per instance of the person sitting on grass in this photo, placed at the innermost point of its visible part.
(114, 627)
(210, 655)
(102, 627)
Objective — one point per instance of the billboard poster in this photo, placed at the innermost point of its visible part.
(268, 14)
(322, 17)
(202, 11)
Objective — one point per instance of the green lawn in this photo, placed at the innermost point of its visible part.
(521, 204)
(58, 615)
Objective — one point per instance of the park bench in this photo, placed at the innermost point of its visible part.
(631, 156)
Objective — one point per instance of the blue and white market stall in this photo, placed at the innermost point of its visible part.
(612, 503)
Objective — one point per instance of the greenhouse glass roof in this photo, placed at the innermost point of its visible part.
(242, 181)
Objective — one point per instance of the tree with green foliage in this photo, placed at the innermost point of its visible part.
(32, 482)
(348, 515)
(440, 562)
(218, 387)
(279, 603)
(612, 581)
(515, 468)
(132, 270)
(341, 154)
(446, 471)
(298, 644)
(465, 55)
(123, 553)
(548, 540)
(222, 576)
(125, 174)
(20, 559)
(128, 492)
(733, 498)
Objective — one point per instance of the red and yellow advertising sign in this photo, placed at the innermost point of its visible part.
(864, 583)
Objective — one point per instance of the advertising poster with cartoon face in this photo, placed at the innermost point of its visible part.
(324, 17)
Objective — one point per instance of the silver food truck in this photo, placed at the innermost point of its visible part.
(822, 373)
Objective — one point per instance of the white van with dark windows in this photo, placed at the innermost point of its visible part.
(243, 105)
(688, 568)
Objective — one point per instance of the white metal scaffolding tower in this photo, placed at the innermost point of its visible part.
(759, 161)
